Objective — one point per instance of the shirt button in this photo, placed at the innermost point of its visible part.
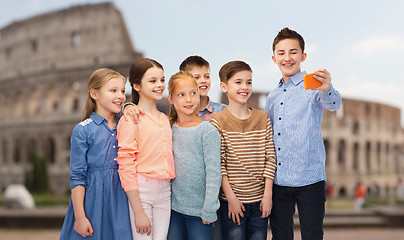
(281, 103)
(164, 140)
(329, 94)
(113, 146)
(113, 134)
(279, 164)
(165, 155)
(279, 134)
(114, 159)
(280, 118)
(279, 149)
(333, 103)
(284, 90)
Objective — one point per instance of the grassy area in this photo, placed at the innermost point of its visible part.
(47, 199)
(50, 200)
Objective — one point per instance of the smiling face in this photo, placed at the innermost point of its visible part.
(202, 77)
(185, 97)
(110, 97)
(238, 87)
(152, 85)
(288, 55)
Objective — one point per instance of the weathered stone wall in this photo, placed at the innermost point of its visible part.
(45, 64)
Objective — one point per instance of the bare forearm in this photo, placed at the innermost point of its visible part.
(78, 194)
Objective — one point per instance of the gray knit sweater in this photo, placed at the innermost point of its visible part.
(195, 188)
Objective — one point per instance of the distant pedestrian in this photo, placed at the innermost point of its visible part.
(98, 205)
(360, 193)
(400, 190)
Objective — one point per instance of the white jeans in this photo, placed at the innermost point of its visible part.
(155, 195)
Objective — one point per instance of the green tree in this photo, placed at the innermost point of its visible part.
(36, 178)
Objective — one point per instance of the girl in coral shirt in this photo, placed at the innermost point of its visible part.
(145, 156)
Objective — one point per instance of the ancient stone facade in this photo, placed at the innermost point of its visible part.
(45, 64)
(364, 142)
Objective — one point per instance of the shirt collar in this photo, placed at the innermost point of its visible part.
(296, 79)
(209, 107)
(96, 118)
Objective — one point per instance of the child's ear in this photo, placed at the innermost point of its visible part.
(93, 94)
(223, 86)
(136, 87)
(304, 56)
(169, 99)
(274, 59)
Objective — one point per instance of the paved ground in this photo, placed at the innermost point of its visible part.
(330, 234)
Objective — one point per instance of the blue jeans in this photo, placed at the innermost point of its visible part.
(310, 202)
(216, 228)
(184, 227)
(252, 226)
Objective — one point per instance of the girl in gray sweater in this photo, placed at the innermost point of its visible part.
(196, 149)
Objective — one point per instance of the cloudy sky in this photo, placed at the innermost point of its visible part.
(359, 41)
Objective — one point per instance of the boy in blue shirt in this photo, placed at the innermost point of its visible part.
(296, 116)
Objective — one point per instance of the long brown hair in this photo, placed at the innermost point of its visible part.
(98, 79)
(137, 72)
(174, 80)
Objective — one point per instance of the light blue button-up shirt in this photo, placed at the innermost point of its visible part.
(296, 116)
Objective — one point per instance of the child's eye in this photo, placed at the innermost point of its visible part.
(113, 90)
(123, 91)
(193, 93)
(181, 95)
(249, 82)
(163, 80)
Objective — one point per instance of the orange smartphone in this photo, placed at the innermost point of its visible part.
(310, 82)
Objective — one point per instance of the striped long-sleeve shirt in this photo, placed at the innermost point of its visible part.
(247, 153)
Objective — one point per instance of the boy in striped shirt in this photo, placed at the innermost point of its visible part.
(248, 158)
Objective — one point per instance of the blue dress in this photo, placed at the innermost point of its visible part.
(92, 161)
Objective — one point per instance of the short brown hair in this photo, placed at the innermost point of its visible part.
(193, 61)
(287, 33)
(229, 69)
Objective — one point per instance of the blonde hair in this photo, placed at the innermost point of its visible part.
(97, 80)
(174, 80)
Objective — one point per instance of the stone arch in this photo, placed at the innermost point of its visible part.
(355, 164)
(50, 150)
(17, 152)
(368, 156)
(19, 104)
(327, 150)
(51, 100)
(341, 153)
(355, 128)
(342, 192)
(33, 102)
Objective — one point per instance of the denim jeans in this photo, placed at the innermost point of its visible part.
(184, 227)
(252, 226)
(310, 202)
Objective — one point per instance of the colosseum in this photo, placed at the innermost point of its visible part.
(45, 63)
(44, 77)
